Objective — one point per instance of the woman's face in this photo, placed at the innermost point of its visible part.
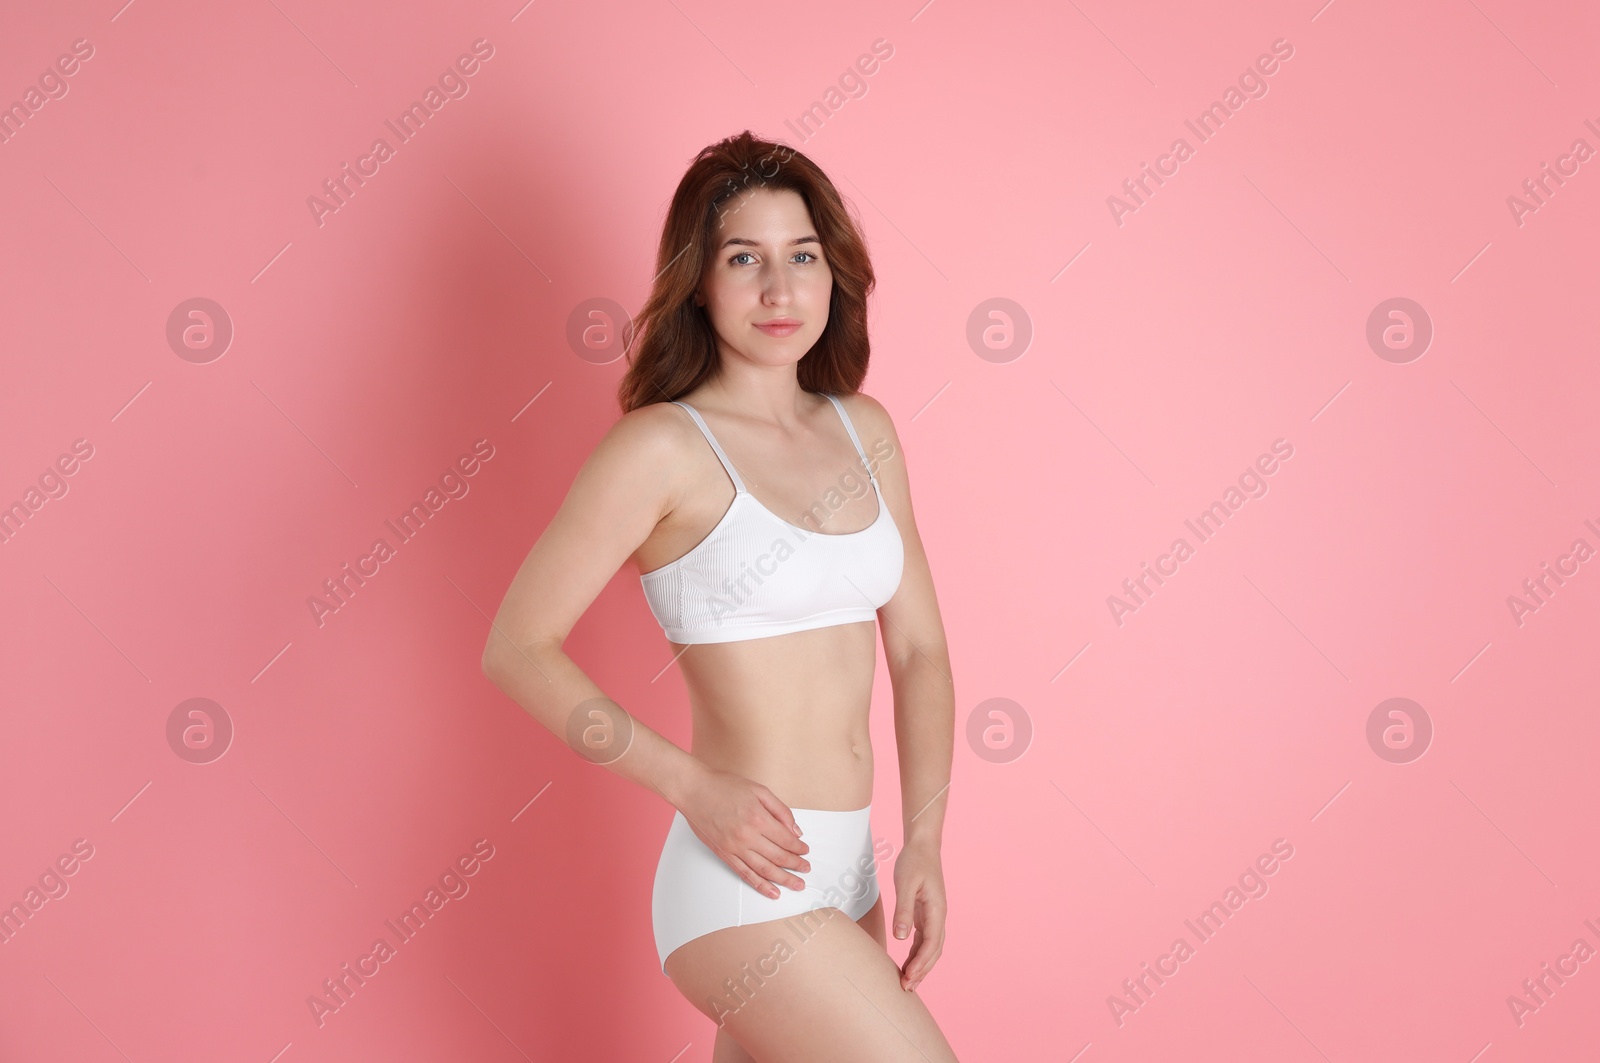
(766, 266)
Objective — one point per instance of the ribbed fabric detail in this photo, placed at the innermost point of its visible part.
(756, 575)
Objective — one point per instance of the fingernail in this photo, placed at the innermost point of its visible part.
(900, 931)
(797, 830)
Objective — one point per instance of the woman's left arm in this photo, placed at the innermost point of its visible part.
(924, 707)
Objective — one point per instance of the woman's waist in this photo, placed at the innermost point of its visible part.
(812, 719)
(777, 734)
(816, 775)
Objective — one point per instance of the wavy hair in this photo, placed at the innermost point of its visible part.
(676, 348)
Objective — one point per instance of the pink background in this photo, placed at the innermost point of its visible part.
(1168, 751)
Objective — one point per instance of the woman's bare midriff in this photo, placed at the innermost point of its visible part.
(789, 712)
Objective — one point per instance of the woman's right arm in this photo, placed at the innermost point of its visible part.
(620, 493)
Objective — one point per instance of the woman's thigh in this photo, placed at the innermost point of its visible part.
(728, 1050)
(813, 987)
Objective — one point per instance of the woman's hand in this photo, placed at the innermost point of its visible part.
(919, 900)
(746, 825)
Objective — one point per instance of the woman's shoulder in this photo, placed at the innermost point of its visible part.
(868, 414)
(656, 435)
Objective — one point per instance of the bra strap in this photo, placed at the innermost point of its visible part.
(848, 427)
(738, 484)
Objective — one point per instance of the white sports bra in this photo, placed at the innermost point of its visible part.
(755, 575)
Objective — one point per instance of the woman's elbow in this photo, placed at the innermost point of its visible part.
(502, 654)
(495, 654)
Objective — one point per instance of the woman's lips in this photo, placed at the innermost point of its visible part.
(780, 330)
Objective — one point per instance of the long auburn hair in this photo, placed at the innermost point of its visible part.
(672, 347)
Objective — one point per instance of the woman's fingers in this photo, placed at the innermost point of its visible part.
(759, 872)
(928, 948)
(764, 845)
(751, 876)
(923, 967)
(739, 866)
(927, 944)
(776, 853)
(789, 837)
(768, 864)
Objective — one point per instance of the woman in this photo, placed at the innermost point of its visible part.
(741, 411)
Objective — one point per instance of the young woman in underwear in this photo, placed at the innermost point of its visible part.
(768, 541)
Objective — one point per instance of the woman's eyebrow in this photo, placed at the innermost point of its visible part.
(757, 243)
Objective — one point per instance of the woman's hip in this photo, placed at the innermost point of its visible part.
(695, 892)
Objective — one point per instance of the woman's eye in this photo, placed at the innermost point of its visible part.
(734, 261)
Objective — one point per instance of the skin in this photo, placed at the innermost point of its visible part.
(778, 722)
